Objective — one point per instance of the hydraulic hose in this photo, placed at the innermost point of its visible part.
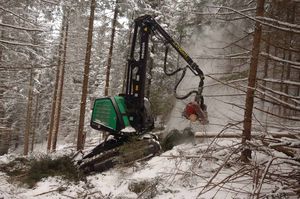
(198, 93)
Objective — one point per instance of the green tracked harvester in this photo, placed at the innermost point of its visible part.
(127, 117)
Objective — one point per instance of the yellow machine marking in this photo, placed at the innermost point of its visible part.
(181, 50)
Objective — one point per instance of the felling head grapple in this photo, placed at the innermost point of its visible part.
(194, 112)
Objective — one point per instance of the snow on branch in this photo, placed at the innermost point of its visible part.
(288, 29)
(244, 10)
(277, 22)
(21, 28)
(51, 2)
(290, 48)
(238, 40)
(281, 93)
(216, 13)
(283, 103)
(292, 63)
(281, 81)
(222, 57)
(14, 14)
(19, 44)
(228, 83)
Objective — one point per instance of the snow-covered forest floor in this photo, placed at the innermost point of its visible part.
(218, 35)
(208, 168)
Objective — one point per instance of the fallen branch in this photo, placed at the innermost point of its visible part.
(218, 171)
(20, 28)
(258, 189)
(59, 189)
(289, 151)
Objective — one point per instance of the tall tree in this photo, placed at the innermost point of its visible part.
(61, 77)
(29, 113)
(246, 153)
(110, 53)
(55, 114)
(81, 134)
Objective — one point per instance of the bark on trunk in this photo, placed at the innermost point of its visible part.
(289, 41)
(128, 52)
(80, 136)
(110, 53)
(4, 132)
(35, 122)
(55, 93)
(61, 80)
(246, 153)
(28, 114)
(266, 64)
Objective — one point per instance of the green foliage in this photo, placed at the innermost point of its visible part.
(161, 103)
(17, 167)
(32, 171)
(45, 167)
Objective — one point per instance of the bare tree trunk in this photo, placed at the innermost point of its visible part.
(282, 76)
(128, 51)
(151, 65)
(289, 41)
(80, 136)
(54, 101)
(178, 56)
(246, 153)
(2, 86)
(266, 64)
(61, 80)
(5, 134)
(35, 122)
(28, 114)
(110, 53)
(49, 139)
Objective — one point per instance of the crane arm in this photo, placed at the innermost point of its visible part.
(136, 73)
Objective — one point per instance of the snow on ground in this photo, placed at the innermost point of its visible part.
(180, 173)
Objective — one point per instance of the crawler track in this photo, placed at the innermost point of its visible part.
(119, 153)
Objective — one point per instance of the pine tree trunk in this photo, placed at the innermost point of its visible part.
(282, 76)
(2, 87)
(61, 80)
(4, 133)
(35, 122)
(28, 114)
(266, 64)
(178, 56)
(151, 66)
(110, 53)
(80, 136)
(128, 51)
(289, 41)
(54, 101)
(246, 153)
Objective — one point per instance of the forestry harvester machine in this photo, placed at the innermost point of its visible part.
(127, 117)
